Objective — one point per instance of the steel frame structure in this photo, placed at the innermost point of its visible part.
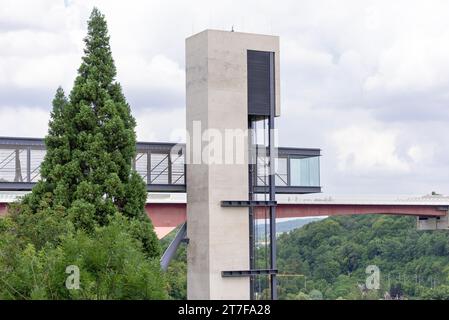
(256, 114)
(164, 174)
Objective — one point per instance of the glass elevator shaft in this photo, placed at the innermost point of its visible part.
(262, 219)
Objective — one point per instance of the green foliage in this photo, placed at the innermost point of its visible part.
(299, 296)
(177, 270)
(331, 256)
(91, 143)
(88, 208)
(177, 280)
(111, 262)
(439, 293)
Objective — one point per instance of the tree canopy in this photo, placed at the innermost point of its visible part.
(332, 256)
(88, 207)
(327, 259)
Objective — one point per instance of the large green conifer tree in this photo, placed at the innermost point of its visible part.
(88, 208)
(90, 146)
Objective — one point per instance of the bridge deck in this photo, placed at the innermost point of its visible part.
(168, 210)
(167, 213)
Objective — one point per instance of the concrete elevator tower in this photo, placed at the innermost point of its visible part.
(232, 79)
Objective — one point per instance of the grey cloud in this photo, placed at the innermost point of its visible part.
(11, 25)
(138, 98)
(13, 96)
(141, 98)
(410, 105)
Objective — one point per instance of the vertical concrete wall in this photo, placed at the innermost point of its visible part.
(216, 87)
(441, 223)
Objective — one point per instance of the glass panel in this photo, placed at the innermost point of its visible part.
(281, 172)
(159, 168)
(263, 171)
(13, 165)
(177, 165)
(305, 172)
(141, 165)
(36, 158)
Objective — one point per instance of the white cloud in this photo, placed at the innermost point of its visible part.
(368, 149)
(159, 73)
(23, 122)
(412, 64)
(160, 125)
(152, 125)
(37, 14)
(416, 153)
(34, 72)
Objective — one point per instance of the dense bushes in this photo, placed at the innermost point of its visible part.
(111, 261)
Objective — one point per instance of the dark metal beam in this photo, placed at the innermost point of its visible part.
(178, 148)
(288, 189)
(272, 181)
(16, 186)
(16, 141)
(299, 152)
(251, 195)
(166, 188)
(175, 188)
(251, 203)
(173, 247)
(27, 186)
(248, 273)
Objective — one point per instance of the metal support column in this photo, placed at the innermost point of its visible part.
(169, 168)
(28, 164)
(272, 185)
(272, 197)
(18, 167)
(173, 247)
(252, 242)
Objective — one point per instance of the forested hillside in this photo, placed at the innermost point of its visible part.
(331, 256)
(285, 226)
(327, 259)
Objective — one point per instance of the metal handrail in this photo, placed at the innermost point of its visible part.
(151, 170)
(11, 158)
(14, 151)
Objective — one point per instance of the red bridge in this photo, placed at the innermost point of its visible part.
(168, 210)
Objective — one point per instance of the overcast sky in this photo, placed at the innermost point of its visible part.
(365, 81)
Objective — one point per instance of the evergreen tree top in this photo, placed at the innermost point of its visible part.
(98, 64)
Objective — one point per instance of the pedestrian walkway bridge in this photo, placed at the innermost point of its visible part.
(161, 165)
